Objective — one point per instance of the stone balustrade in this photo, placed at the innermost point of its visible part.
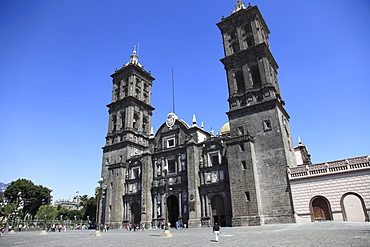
(338, 166)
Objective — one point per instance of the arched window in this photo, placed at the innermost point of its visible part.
(137, 93)
(240, 81)
(256, 76)
(135, 121)
(114, 123)
(144, 125)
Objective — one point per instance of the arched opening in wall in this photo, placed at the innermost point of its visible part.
(135, 213)
(320, 209)
(256, 76)
(218, 210)
(144, 125)
(240, 81)
(114, 123)
(353, 207)
(135, 121)
(172, 210)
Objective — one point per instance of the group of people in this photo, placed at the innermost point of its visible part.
(104, 227)
(136, 227)
(180, 225)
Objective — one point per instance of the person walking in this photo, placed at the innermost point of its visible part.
(216, 231)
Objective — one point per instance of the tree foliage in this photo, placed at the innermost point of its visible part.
(23, 191)
(47, 212)
(90, 209)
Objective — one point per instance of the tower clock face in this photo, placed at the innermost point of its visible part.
(183, 156)
(159, 161)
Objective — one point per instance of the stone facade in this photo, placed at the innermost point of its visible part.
(185, 174)
(336, 190)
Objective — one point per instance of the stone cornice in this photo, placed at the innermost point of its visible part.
(329, 168)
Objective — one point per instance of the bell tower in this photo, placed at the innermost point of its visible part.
(260, 147)
(130, 115)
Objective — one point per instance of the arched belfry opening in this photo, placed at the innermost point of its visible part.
(218, 210)
(320, 209)
(172, 210)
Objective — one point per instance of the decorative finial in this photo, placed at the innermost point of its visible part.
(151, 133)
(239, 5)
(134, 58)
(194, 120)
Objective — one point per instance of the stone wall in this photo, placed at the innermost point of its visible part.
(332, 185)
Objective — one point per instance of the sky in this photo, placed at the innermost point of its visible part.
(57, 57)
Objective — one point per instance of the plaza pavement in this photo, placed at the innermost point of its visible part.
(307, 234)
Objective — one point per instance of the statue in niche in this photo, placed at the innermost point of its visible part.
(201, 162)
(159, 211)
(159, 170)
(185, 209)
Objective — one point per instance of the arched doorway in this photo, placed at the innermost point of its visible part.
(320, 209)
(135, 213)
(218, 210)
(172, 210)
(353, 208)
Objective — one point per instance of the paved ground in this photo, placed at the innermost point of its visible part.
(308, 234)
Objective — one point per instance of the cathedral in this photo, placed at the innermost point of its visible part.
(185, 174)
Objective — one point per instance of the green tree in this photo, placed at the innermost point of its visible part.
(72, 213)
(83, 200)
(23, 191)
(47, 212)
(6, 210)
(90, 209)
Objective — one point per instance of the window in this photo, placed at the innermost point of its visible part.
(240, 130)
(145, 122)
(267, 125)
(250, 41)
(135, 173)
(214, 159)
(138, 80)
(247, 28)
(114, 122)
(171, 166)
(135, 121)
(247, 197)
(240, 81)
(137, 93)
(242, 149)
(170, 142)
(256, 76)
(244, 164)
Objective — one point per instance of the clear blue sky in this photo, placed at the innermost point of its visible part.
(57, 57)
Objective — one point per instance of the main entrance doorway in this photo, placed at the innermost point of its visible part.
(135, 213)
(321, 209)
(218, 210)
(172, 210)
